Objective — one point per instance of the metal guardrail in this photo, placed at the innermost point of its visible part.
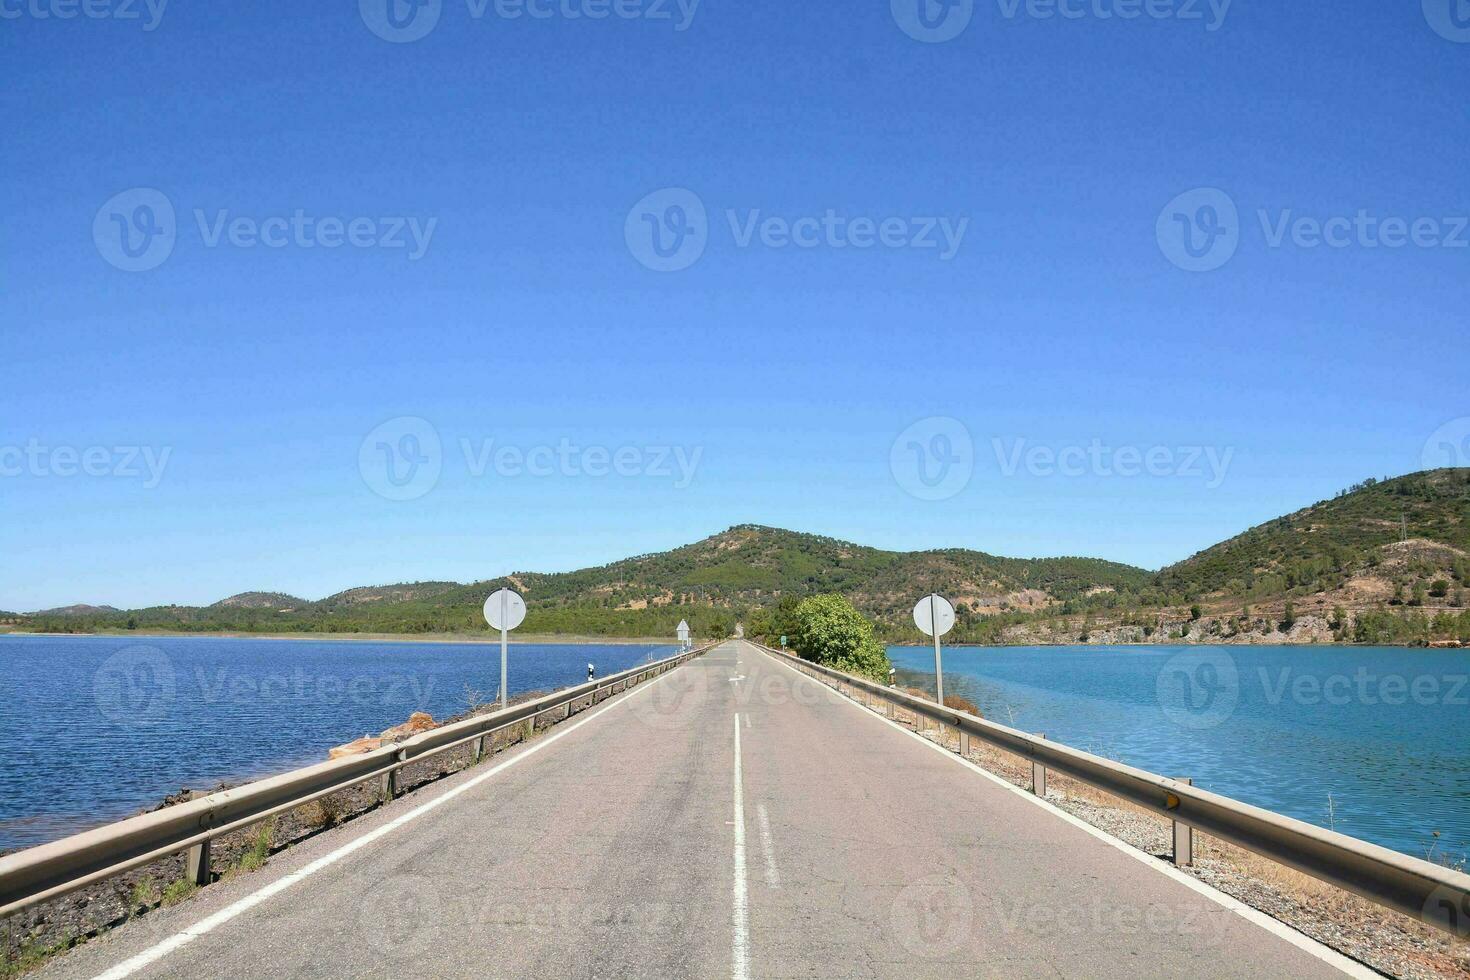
(1429, 892)
(47, 871)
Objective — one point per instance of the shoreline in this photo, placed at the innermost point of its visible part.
(554, 639)
(1140, 646)
(463, 639)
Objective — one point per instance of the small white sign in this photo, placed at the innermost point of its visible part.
(505, 610)
(934, 611)
(683, 629)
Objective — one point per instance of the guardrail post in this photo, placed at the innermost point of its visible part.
(568, 713)
(1038, 774)
(395, 777)
(964, 743)
(196, 865)
(1183, 836)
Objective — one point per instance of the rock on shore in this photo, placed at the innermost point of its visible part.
(419, 721)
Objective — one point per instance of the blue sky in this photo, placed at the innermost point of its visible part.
(974, 393)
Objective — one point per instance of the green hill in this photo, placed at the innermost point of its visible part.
(712, 583)
(262, 600)
(1321, 547)
(1384, 561)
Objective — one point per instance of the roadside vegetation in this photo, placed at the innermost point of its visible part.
(827, 630)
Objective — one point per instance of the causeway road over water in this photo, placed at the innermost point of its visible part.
(733, 818)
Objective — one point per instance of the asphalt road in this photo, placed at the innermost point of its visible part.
(731, 819)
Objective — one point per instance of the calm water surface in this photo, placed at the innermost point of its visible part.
(1384, 731)
(96, 728)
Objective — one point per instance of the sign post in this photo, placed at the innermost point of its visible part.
(504, 611)
(935, 617)
(683, 631)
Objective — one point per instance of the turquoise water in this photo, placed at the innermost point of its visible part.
(95, 728)
(1384, 731)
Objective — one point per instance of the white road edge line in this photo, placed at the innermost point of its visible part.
(204, 926)
(773, 876)
(739, 907)
(1300, 940)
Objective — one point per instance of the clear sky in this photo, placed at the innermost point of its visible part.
(245, 242)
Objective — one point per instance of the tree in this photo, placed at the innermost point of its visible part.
(1288, 618)
(1440, 588)
(1195, 612)
(830, 632)
(784, 621)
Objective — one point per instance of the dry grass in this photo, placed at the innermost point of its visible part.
(322, 814)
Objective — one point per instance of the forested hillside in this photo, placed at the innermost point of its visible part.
(712, 583)
(1383, 561)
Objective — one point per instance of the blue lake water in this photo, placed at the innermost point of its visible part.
(1384, 731)
(96, 728)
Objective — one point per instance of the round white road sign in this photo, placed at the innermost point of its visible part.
(505, 610)
(934, 611)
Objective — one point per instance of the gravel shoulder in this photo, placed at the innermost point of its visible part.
(1386, 941)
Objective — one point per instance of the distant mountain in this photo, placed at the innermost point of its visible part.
(1326, 545)
(711, 582)
(262, 600)
(78, 610)
(387, 594)
(1384, 561)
